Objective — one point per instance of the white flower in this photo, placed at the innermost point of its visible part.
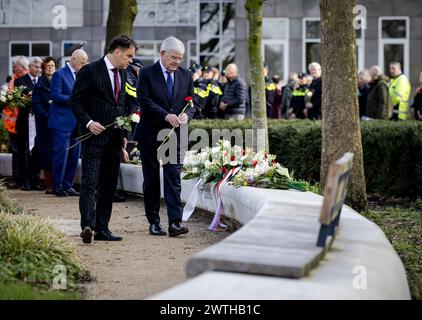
(9, 97)
(3, 93)
(310, 94)
(234, 163)
(207, 164)
(226, 144)
(135, 118)
(3, 99)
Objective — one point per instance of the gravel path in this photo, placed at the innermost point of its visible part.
(139, 266)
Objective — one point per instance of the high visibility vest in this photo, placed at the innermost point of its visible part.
(200, 92)
(300, 92)
(215, 89)
(10, 115)
(399, 91)
(130, 90)
(270, 86)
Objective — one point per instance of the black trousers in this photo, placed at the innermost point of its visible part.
(100, 171)
(151, 186)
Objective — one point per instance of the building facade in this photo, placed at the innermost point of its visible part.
(214, 32)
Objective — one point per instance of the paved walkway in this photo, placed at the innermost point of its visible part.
(140, 265)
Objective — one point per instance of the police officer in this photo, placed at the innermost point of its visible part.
(200, 90)
(130, 86)
(298, 101)
(269, 92)
(214, 93)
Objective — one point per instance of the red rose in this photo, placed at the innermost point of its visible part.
(254, 163)
(188, 98)
(232, 158)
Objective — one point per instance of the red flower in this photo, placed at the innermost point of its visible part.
(243, 152)
(254, 163)
(232, 158)
(188, 98)
(223, 169)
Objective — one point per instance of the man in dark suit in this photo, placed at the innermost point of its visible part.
(27, 159)
(62, 124)
(162, 89)
(98, 97)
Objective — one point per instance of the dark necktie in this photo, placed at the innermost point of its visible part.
(116, 85)
(170, 84)
(34, 81)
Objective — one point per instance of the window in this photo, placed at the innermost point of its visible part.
(28, 49)
(216, 33)
(275, 43)
(393, 33)
(148, 51)
(162, 13)
(68, 46)
(38, 13)
(312, 51)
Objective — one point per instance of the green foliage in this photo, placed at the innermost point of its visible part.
(31, 248)
(392, 151)
(4, 137)
(404, 230)
(22, 291)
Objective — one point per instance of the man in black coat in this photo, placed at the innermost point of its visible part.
(98, 97)
(313, 108)
(162, 89)
(27, 159)
(235, 97)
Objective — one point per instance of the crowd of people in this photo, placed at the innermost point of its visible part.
(219, 95)
(226, 95)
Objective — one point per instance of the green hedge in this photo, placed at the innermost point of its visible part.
(392, 151)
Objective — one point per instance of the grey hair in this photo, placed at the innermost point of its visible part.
(315, 65)
(375, 71)
(34, 60)
(20, 60)
(173, 44)
(365, 76)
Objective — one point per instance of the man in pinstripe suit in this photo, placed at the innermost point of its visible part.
(97, 99)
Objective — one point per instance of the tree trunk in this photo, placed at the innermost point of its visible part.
(259, 109)
(121, 15)
(340, 115)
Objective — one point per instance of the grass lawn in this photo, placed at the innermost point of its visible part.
(403, 227)
(22, 291)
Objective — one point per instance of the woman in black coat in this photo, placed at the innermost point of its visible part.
(41, 101)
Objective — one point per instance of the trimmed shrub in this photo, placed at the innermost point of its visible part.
(392, 151)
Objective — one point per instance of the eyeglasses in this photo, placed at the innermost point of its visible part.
(176, 59)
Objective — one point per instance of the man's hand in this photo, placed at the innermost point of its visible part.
(173, 120)
(125, 155)
(96, 128)
(124, 143)
(223, 106)
(183, 118)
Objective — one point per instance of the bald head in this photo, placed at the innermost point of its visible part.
(231, 71)
(78, 59)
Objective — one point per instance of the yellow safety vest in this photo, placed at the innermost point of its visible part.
(270, 86)
(200, 92)
(399, 90)
(215, 89)
(130, 90)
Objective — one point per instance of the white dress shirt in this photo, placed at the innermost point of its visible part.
(74, 72)
(165, 72)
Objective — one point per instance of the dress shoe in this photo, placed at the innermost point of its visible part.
(59, 193)
(176, 229)
(37, 187)
(48, 191)
(119, 197)
(86, 235)
(155, 229)
(106, 236)
(25, 187)
(72, 192)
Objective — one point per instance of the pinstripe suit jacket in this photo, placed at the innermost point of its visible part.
(92, 98)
